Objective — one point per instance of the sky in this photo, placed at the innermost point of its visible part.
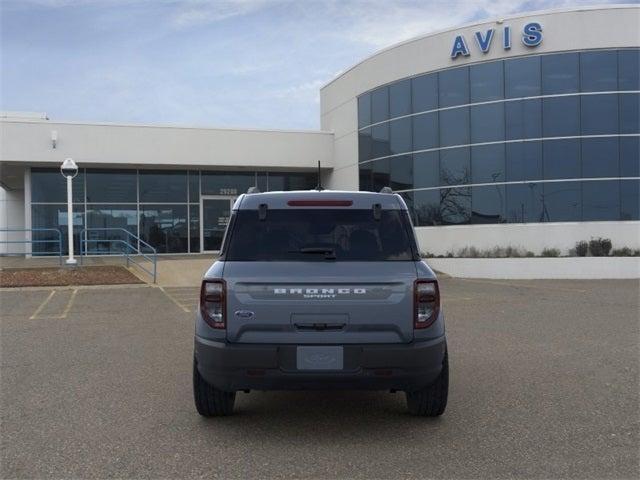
(224, 63)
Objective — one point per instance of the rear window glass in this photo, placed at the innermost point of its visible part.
(313, 234)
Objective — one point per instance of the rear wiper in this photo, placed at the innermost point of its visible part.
(329, 253)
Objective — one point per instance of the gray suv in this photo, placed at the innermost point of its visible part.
(320, 290)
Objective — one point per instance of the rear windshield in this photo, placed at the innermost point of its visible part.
(313, 234)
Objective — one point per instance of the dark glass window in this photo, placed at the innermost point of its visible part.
(426, 207)
(454, 127)
(263, 182)
(53, 216)
(364, 110)
(630, 199)
(522, 77)
(380, 105)
(455, 168)
(194, 227)
(426, 170)
(524, 203)
(165, 227)
(364, 144)
(227, 183)
(629, 113)
(282, 182)
(400, 98)
(453, 87)
(114, 218)
(523, 161)
(487, 81)
(381, 173)
(523, 119)
(455, 205)
(487, 164)
(599, 71)
(488, 204)
(599, 114)
(560, 73)
(561, 159)
(194, 186)
(163, 186)
(629, 69)
(49, 186)
(380, 141)
(424, 92)
(601, 200)
(400, 135)
(425, 131)
(562, 202)
(600, 157)
(561, 116)
(630, 156)
(487, 123)
(366, 178)
(401, 172)
(112, 186)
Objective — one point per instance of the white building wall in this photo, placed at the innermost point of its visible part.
(11, 217)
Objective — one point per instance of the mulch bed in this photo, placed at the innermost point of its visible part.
(41, 277)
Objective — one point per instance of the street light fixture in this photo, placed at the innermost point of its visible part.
(69, 169)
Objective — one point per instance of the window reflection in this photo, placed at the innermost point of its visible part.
(55, 217)
(380, 105)
(599, 114)
(455, 167)
(424, 92)
(524, 203)
(165, 227)
(49, 186)
(598, 71)
(112, 186)
(163, 186)
(453, 87)
(560, 73)
(400, 135)
(111, 221)
(455, 205)
(400, 98)
(601, 200)
(630, 199)
(401, 172)
(488, 204)
(600, 157)
(562, 202)
(487, 164)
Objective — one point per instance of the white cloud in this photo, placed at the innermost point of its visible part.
(190, 13)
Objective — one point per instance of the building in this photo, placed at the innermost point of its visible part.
(522, 131)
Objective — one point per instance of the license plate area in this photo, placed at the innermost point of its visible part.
(316, 358)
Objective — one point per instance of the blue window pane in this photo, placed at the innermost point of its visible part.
(488, 204)
(263, 182)
(560, 73)
(364, 110)
(600, 157)
(522, 77)
(380, 105)
(561, 159)
(380, 141)
(230, 183)
(365, 144)
(426, 207)
(523, 161)
(401, 172)
(48, 185)
(599, 114)
(524, 203)
(487, 164)
(381, 173)
(630, 156)
(117, 186)
(601, 200)
(562, 202)
(424, 92)
(52, 216)
(114, 218)
(523, 119)
(426, 169)
(366, 177)
(400, 135)
(487, 81)
(283, 182)
(629, 113)
(454, 127)
(599, 71)
(455, 166)
(561, 116)
(425, 131)
(454, 87)
(165, 227)
(194, 225)
(194, 186)
(629, 69)
(487, 123)
(455, 205)
(630, 199)
(163, 186)
(400, 98)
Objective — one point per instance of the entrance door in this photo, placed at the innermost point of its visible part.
(214, 217)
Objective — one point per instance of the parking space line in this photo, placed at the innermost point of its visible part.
(42, 305)
(65, 311)
(69, 303)
(170, 297)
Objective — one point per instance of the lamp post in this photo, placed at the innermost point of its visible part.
(69, 169)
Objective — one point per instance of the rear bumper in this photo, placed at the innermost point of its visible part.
(232, 367)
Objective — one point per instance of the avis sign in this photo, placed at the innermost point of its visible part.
(531, 37)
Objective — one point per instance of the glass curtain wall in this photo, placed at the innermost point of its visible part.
(543, 138)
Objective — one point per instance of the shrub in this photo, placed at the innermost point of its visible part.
(427, 255)
(623, 252)
(582, 248)
(530, 253)
(600, 247)
(550, 252)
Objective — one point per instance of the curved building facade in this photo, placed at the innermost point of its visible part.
(492, 130)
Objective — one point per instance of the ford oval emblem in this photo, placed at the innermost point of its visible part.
(246, 314)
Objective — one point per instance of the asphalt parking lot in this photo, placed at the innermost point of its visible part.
(96, 382)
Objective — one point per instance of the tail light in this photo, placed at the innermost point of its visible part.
(426, 303)
(213, 303)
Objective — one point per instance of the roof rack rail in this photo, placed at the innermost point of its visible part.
(253, 190)
(386, 190)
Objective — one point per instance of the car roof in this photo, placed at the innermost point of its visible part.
(324, 198)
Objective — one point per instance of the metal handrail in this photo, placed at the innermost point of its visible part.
(127, 247)
(32, 241)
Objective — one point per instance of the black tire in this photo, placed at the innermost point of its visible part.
(211, 402)
(432, 400)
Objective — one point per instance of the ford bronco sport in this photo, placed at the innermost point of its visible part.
(320, 290)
